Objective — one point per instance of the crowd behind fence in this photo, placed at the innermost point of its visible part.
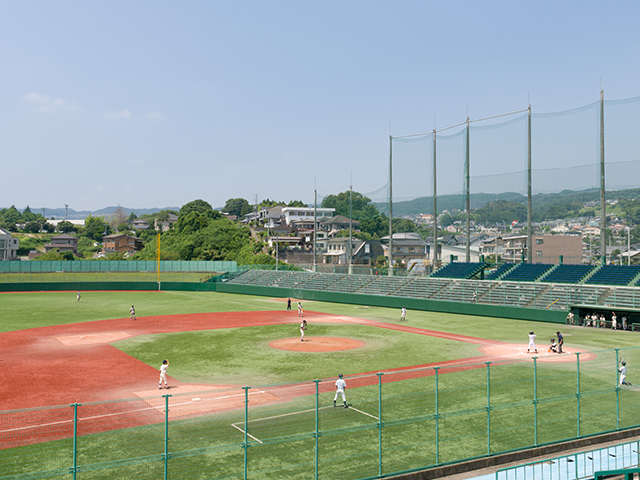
(396, 422)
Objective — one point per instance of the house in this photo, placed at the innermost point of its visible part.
(121, 243)
(63, 243)
(271, 215)
(167, 224)
(8, 245)
(338, 251)
(337, 223)
(406, 246)
(139, 224)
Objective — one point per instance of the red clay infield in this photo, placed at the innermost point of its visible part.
(317, 344)
(71, 363)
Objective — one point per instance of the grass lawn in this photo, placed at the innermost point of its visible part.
(283, 443)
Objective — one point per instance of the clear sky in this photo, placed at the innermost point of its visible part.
(156, 103)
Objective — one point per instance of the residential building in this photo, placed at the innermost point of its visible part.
(334, 224)
(139, 224)
(121, 243)
(545, 248)
(338, 250)
(8, 245)
(406, 246)
(291, 214)
(62, 243)
(165, 225)
(273, 215)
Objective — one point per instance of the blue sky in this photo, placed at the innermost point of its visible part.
(155, 104)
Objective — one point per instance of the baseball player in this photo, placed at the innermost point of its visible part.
(623, 374)
(78, 296)
(303, 327)
(163, 374)
(341, 386)
(532, 343)
(132, 311)
(553, 347)
(300, 310)
(570, 318)
(403, 314)
(560, 342)
(614, 321)
(288, 305)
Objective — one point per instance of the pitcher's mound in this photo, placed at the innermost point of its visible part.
(317, 344)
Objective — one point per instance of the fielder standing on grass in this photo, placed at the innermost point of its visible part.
(132, 311)
(163, 374)
(78, 296)
(303, 327)
(341, 386)
(623, 374)
(403, 314)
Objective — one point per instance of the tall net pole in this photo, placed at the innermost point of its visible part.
(529, 207)
(603, 218)
(390, 206)
(350, 224)
(315, 223)
(435, 207)
(468, 201)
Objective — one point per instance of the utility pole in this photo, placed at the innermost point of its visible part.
(66, 211)
(315, 223)
(255, 209)
(390, 206)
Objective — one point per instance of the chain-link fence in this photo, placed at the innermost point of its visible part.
(399, 421)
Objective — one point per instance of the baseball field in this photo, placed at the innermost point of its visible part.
(247, 399)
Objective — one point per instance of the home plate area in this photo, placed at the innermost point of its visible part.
(518, 351)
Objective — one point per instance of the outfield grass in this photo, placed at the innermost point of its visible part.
(413, 435)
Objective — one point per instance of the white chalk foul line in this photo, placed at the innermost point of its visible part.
(248, 434)
(364, 413)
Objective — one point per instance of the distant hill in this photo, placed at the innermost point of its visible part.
(58, 213)
(541, 201)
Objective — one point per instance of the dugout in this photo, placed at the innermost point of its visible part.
(580, 313)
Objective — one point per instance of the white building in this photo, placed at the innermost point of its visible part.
(8, 246)
(291, 214)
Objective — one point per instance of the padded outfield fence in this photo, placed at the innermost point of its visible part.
(399, 421)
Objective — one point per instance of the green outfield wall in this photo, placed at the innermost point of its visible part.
(398, 302)
(117, 266)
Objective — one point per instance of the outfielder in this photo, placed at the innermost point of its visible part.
(303, 327)
(78, 296)
(163, 374)
(623, 374)
(532, 343)
(403, 314)
(341, 386)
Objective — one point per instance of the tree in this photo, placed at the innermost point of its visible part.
(28, 215)
(66, 227)
(95, 228)
(237, 206)
(32, 227)
(361, 206)
(199, 206)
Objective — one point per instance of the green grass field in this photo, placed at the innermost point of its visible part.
(423, 425)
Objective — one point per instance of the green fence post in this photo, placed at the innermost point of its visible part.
(245, 444)
(488, 411)
(617, 392)
(437, 421)
(166, 436)
(317, 433)
(75, 438)
(535, 401)
(380, 424)
(578, 390)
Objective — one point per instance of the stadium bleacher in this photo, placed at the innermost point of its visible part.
(568, 273)
(527, 272)
(501, 270)
(460, 270)
(614, 275)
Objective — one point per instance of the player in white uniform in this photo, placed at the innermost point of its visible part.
(623, 374)
(614, 321)
(132, 311)
(78, 296)
(163, 374)
(300, 310)
(403, 314)
(532, 343)
(341, 386)
(303, 327)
